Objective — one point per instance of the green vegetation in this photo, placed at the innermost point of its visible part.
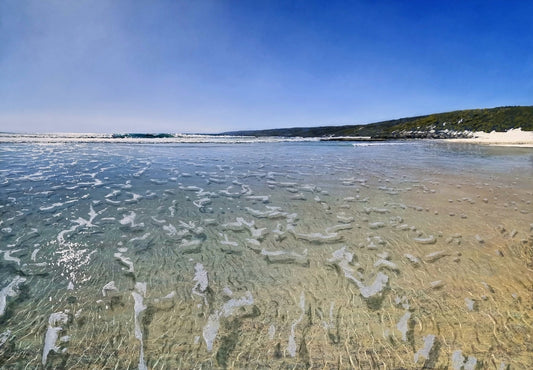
(440, 125)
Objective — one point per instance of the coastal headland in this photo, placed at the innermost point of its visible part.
(494, 126)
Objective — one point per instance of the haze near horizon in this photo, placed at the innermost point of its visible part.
(213, 66)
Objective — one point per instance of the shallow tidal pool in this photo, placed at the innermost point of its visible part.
(277, 255)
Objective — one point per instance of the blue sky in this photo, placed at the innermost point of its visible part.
(212, 66)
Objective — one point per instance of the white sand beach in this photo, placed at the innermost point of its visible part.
(513, 137)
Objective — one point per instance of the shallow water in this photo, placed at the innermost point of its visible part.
(381, 255)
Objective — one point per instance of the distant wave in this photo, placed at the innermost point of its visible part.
(142, 138)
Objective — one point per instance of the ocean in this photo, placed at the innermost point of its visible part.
(138, 252)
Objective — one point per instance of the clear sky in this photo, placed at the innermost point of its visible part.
(212, 66)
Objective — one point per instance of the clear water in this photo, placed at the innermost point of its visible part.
(283, 255)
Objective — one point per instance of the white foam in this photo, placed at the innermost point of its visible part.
(11, 290)
(201, 279)
(432, 257)
(239, 225)
(298, 257)
(34, 254)
(341, 255)
(200, 203)
(226, 241)
(92, 215)
(176, 138)
(316, 237)
(271, 213)
(264, 252)
(261, 198)
(141, 288)
(308, 188)
(140, 172)
(190, 188)
(345, 219)
(109, 287)
(403, 325)
(344, 258)
(429, 340)
(170, 230)
(429, 240)
(271, 331)
(457, 360)
(379, 284)
(257, 233)
(52, 333)
(8, 257)
(298, 196)
(242, 224)
(134, 198)
(229, 194)
(330, 324)
(383, 263)
(413, 259)
(170, 295)
(470, 304)
(113, 194)
(125, 260)
(227, 291)
(138, 308)
(376, 225)
(189, 226)
(471, 363)
(213, 321)
(190, 243)
(377, 210)
(158, 220)
(335, 228)
(144, 237)
(62, 233)
(291, 346)
(209, 222)
(4, 337)
(253, 242)
(230, 306)
(210, 330)
(51, 207)
(130, 220)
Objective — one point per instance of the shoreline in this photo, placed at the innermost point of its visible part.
(510, 138)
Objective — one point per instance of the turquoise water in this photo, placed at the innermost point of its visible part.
(285, 255)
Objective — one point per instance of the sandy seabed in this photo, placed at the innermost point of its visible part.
(396, 255)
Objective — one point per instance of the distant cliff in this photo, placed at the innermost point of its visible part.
(439, 126)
